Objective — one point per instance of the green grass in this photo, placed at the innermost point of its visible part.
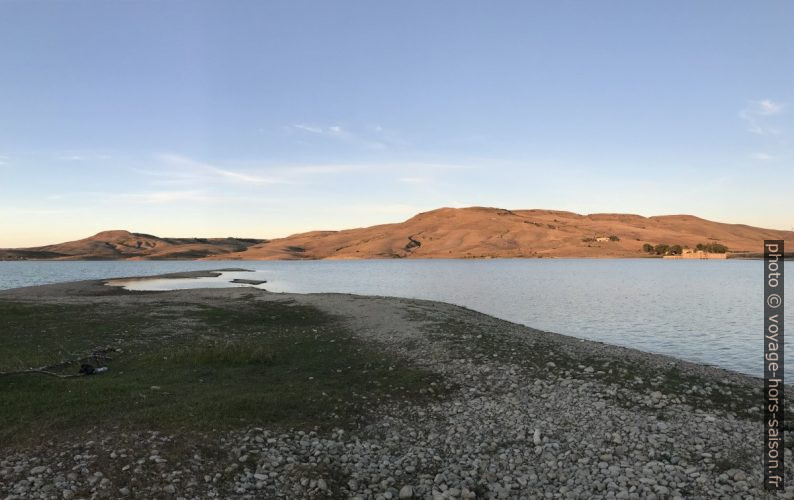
(38, 335)
(191, 368)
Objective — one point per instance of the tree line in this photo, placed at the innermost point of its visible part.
(664, 249)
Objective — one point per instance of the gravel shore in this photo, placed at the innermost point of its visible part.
(524, 414)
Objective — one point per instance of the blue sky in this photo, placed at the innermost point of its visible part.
(263, 119)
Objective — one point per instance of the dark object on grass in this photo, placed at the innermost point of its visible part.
(248, 282)
(99, 356)
(42, 372)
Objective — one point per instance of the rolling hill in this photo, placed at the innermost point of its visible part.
(481, 232)
(475, 232)
(123, 245)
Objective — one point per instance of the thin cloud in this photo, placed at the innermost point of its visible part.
(163, 197)
(445, 166)
(757, 115)
(339, 133)
(322, 169)
(389, 136)
(178, 171)
(415, 180)
(297, 171)
(33, 211)
(186, 170)
(155, 197)
(138, 197)
(762, 156)
(769, 107)
(79, 156)
(237, 176)
(332, 131)
(191, 169)
(311, 129)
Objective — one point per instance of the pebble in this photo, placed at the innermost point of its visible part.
(406, 492)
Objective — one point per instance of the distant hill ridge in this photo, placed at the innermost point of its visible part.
(474, 232)
(124, 245)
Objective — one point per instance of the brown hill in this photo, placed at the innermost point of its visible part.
(123, 245)
(493, 232)
(474, 232)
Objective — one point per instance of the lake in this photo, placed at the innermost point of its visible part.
(704, 311)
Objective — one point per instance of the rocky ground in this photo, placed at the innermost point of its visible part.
(524, 414)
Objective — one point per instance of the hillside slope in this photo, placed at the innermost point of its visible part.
(478, 232)
(123, 245)
(475, 232)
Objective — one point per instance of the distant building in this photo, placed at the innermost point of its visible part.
(602, 238)
(688, 253)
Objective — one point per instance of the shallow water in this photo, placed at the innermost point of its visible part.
(704, 311)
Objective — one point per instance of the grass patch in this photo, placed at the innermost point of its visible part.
(191, 368)
(242, 353)
(45, 335)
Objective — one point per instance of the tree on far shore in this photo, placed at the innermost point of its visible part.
(661, 249)
(712, 247)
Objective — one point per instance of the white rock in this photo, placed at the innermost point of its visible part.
(406, 492)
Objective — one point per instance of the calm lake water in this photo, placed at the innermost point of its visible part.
(704, 311)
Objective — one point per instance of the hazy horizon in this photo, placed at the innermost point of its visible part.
(252, 119)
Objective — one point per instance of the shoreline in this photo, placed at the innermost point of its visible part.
(106, 286)
(517, 412)
(123, 281)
